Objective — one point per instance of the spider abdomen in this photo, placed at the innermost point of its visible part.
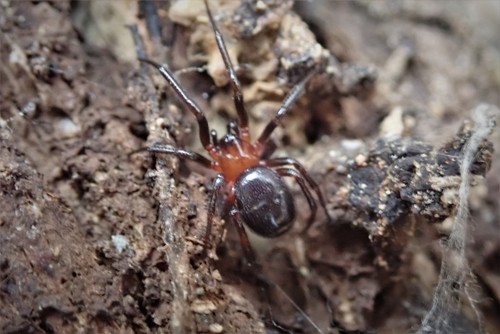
(264, 201)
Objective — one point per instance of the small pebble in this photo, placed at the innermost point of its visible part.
(216, 328)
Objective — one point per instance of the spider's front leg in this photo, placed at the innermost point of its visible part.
(190, 104)
(292, 96)
(233, 79)
(182, 154)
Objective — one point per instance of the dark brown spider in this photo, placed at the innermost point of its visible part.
(257, 195)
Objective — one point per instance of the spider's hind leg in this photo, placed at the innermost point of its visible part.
(287, 171)
(302, 172)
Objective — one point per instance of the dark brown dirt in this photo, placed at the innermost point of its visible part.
(97, 235)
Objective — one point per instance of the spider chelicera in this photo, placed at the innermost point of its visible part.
(257, 195)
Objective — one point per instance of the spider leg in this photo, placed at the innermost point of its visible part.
(287, 171)
(233, 79)
(280, 162)
(268, 149)
(183, 154)
(217, 184)
(285, 105)
(263, 283)
(188, 102)
(245, 242)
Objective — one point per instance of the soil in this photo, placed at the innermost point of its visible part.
(99, 235)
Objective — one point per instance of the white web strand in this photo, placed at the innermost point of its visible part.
(455, 275)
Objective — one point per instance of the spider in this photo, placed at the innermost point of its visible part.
(257, 195)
